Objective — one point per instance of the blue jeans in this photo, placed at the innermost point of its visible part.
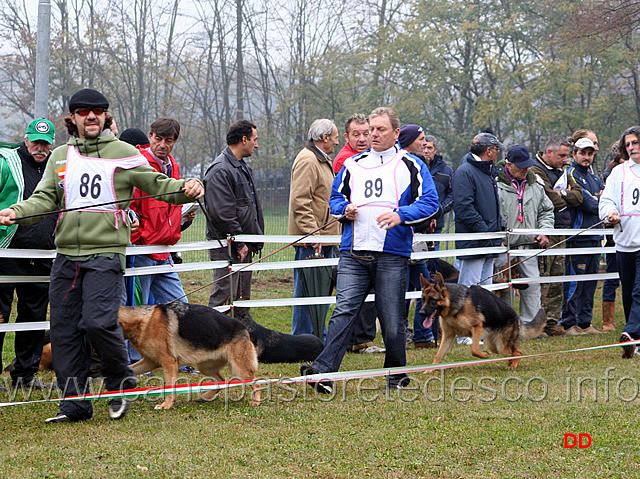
(165, 287)
(629, 269)
(387, 273)
(578, 295)
(301, 320)
(476, 269)
(610, 285)
(420, 333)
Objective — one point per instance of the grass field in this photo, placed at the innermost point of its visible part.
(481, 421)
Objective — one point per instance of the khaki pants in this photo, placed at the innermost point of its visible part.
(552, 292)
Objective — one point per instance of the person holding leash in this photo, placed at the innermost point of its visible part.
(381, 193)
(94, 175)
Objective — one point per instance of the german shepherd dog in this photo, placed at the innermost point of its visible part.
(275, 347)
(175, 334)
(476, 312)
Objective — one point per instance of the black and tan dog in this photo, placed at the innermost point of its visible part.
(476, 312)
(175, 334)
(276, 347)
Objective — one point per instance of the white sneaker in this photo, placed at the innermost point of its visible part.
(467, 341)
(372, 349)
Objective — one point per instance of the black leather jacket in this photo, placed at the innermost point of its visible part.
(230, 201)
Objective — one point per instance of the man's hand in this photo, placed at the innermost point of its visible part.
(7, 216)
(193, 189)
(388, 220)
(243, 252)
(612, 217)
(190, 216)
(351, 211)
(543, 240)
(135, 225)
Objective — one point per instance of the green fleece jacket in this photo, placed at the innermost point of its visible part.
(82, 233)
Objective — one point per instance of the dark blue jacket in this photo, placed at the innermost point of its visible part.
(586, 214)
(475, 202)
(442, 175)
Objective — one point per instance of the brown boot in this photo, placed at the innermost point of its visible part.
(608, 312)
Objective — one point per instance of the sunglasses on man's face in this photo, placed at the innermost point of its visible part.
(85, 111)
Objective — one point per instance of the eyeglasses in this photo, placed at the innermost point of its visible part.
(86, 111)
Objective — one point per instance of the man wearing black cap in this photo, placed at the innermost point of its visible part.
(477, 207)
(21, 169)
(525, 205)
(94, 175)
(412, 139)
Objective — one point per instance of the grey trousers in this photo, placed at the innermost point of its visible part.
(239, 283)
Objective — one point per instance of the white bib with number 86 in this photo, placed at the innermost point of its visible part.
(88, 181)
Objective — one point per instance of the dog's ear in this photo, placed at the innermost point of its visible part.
(439, 280)
(423, 281)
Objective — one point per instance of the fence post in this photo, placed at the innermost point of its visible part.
(232, 292)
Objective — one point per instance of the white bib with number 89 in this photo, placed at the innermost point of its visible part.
(374, 190)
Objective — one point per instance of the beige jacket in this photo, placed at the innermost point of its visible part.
(311, 179)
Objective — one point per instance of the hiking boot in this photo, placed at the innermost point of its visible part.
(118, 408)
(608, 314)
(34, 384)
(592, 330)
(426, 344)
(574, 331)
(372, 350)
(627, 351)
(554, 330)
(324, 387)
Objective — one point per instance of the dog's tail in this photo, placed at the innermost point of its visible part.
(534, 328)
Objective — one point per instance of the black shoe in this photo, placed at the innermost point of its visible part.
(398, 383)
(3, 389)
(323, 387)
(34, 384)
(60, 418)
(118, 408)
(627, 351)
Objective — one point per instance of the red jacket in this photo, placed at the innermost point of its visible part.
(343, 154)
(159, 221)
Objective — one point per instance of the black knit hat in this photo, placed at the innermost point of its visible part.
(408, 134)
(134, 136)
(88, 98)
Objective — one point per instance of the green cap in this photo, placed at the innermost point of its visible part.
(41, 129)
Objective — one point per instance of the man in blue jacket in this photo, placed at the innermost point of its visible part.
(477, 207)
(381, 193)
(577, 310)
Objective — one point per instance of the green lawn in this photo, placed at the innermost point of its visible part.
(480, 421)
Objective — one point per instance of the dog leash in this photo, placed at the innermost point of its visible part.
(65, 210)
(540, 252)
(297, 240)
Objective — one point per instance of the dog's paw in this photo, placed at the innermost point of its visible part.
(254, 403)
(163, 405)
(481, 354)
